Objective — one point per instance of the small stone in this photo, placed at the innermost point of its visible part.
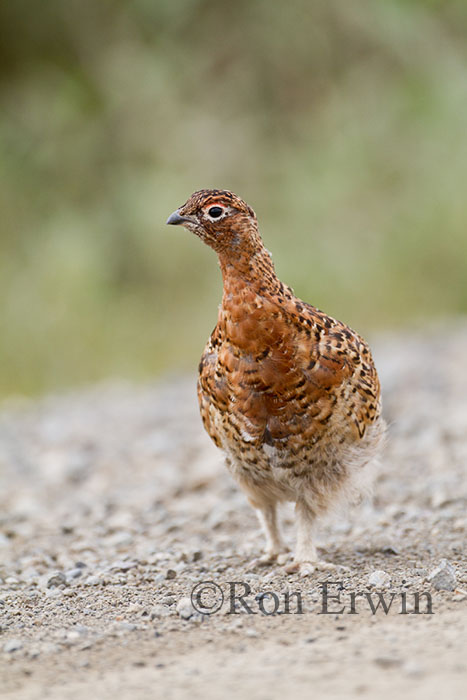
(251, 633)
(30, 574)
(121, 539)
(11, 581)
(69, 593)
(459, 525)
(33, 652)
(184, 608)
(170, 574)
(413, 669)
(169, 599)
(443, 578)
(133, 608)
(387, 661)
(74, 573)
(125, 626)
(54, 592)
(123, 565)
(58, 579)
(93, 580)
(12, 645)
(459, 595)
(390, 549)
(159, 611)
(379, 579)
(72, 635)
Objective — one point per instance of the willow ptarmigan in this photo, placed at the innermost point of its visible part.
(289, 394)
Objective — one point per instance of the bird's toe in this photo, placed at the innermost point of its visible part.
(271, 556)
(307, 568)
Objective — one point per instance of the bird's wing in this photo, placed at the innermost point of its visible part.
(337, 364)
(315, 366)
(212, 387)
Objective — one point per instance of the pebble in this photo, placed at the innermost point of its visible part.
(69, 592)
(123, 565)
(133, 608)
(72, 635)
(74, 573)
(120, 539)
(33, 652)
(170, 574)
(57, 579)
(251, 633)
(126, 626)
(168, 599)
(413, 669)
(379, 579)
(184, 608)
(387, 661)
(443, 578)
(390, 549)
(159, 611)
(12, 645)
(54, 592)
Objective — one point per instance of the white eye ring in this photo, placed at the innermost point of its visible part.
(215, 213)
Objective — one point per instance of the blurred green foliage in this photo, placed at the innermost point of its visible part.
(344, 125)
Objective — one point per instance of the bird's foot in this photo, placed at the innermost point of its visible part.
(307, 568)
(271, 556)
(264, 560)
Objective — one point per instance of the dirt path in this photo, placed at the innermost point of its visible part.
(114, 506)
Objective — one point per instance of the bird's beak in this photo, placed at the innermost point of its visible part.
(175, 219)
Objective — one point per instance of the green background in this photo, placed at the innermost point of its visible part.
(343, 124)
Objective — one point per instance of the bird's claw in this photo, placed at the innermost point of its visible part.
(268, 558)
(307, 568)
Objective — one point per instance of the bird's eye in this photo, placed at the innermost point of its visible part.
(215, 212)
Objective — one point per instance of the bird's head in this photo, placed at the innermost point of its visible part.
(220, 218)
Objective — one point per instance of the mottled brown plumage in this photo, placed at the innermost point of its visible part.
(288, 393)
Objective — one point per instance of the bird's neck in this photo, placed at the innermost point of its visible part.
(252, 269)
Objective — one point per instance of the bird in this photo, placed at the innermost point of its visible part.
(288, 393)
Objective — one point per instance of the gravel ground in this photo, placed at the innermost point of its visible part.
(114, 506)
